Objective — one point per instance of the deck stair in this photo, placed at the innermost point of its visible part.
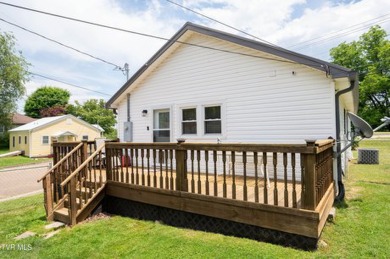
(75, 186)
(86, 202)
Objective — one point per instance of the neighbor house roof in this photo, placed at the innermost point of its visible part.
(332, 70)
(47, 121)
(20, 119)
(64, 133)
(98, 127)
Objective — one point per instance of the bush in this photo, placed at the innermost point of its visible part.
(4, 140)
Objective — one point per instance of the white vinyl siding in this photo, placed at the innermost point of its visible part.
(262, 100)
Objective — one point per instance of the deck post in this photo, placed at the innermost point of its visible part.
(84, 156)
(47, 196)
(181, 168)
(108, 161)
(56, 152)
(309, 178)
(73, 200)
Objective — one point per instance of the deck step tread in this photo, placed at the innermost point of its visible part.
(63, 211)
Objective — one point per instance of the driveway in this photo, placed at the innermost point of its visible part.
(21, 180)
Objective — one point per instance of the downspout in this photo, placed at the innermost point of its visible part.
(341, 194)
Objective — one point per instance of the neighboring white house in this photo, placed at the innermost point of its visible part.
(206, 85)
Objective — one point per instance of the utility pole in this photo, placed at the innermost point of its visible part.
(126, 70)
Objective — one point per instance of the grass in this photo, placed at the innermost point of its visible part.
(18, 160)
(360, 230)
(3, 150)
(362, 223)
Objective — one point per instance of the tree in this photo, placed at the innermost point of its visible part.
(370, 57)
(13, 75)
(52, 111)
(93, 111)
(45, 98)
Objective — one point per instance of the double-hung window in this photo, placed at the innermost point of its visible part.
(212, 120)
(188, 124)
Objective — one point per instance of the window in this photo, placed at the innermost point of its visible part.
(13, 141)
(212, 122)
(25, 139)
(45, 139)
(20, 140)
(189, 121)
(85, 137)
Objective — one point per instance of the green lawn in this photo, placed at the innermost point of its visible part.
(18, 160)
(360, 230)
(3, 150)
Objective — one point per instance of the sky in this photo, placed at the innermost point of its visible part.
(310, 27)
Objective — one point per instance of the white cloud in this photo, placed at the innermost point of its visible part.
(286, 23)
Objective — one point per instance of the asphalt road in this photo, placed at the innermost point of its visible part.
(22, 180)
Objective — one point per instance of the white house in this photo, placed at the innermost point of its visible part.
(206, 85)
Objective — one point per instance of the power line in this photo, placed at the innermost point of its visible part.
(77, 86)
(86, 22)
(344, 32)
(222, 23)
(61, 44)
(157, 37)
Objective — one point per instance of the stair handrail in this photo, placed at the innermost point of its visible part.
(82, 165)
(61, 161)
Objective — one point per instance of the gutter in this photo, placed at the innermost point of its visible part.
(341, 194)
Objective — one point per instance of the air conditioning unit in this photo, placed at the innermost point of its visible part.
(368, 156)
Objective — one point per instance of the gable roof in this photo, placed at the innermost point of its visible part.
(333, 70)
(40, 123)
(20, 119)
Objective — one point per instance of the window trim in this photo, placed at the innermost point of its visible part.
(200, 119)
(83, 137)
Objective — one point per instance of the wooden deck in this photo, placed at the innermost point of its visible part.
(284, 188)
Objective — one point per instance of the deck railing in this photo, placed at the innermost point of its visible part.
(67, 158)
(61, 149)
(295, 176)
(83, 183)
(77, 165)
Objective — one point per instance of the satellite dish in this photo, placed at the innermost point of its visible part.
(361, 126)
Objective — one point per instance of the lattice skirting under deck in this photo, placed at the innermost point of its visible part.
(183, 219)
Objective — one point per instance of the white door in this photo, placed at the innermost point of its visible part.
(161, 126)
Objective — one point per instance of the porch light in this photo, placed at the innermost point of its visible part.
(144, 113)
